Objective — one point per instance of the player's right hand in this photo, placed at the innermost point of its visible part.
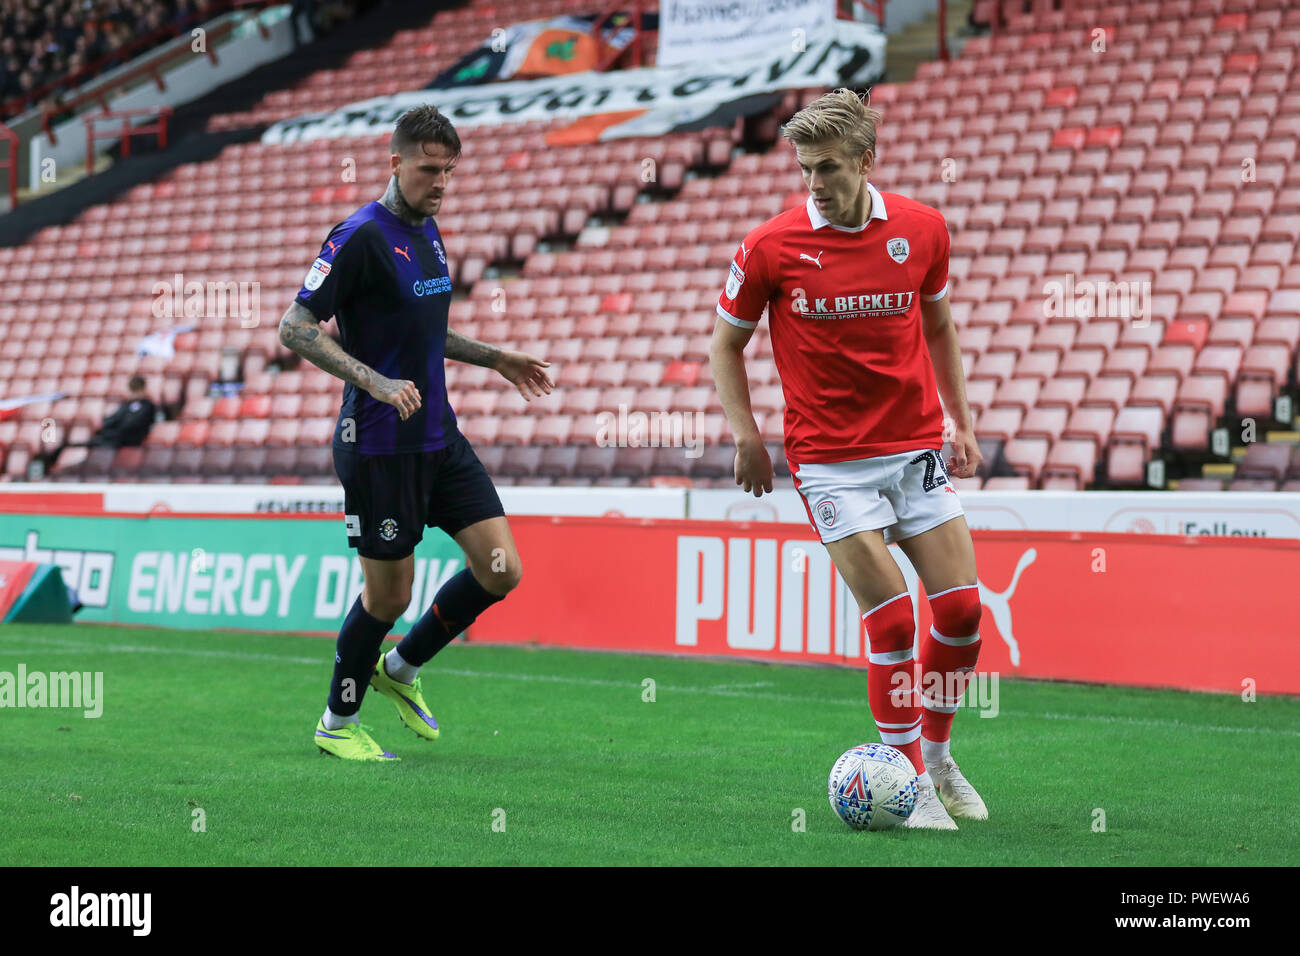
(754, 469)
(399, 393)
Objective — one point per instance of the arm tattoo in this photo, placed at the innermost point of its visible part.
(471, 351)
(300, 331)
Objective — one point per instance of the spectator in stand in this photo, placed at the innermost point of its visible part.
(130, 424)
(41, 39)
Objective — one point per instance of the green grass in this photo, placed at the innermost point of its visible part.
(712, 772)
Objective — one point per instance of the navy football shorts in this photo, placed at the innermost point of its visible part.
(388, 500)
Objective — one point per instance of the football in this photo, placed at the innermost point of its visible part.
(872, 787)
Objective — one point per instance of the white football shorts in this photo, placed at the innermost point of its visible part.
(902, 494)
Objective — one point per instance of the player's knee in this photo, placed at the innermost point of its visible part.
(957, 611)
(890, 626)
(514, 575)
(504, 581)
(389, 603)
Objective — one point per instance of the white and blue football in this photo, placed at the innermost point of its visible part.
(872, 787)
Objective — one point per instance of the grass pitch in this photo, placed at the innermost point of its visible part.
(554, 757)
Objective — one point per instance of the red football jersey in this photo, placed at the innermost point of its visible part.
(844, 307)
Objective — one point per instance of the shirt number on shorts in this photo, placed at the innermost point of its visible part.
(932, 463)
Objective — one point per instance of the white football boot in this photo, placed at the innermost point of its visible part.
(929, 814)
(955, 791)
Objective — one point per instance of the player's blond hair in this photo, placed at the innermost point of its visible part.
(840, 117)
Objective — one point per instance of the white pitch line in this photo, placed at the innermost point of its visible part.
(150, 649)
(1148, 722)
(716, 690)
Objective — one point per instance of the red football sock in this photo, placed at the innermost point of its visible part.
(948, 655)
(891, 676)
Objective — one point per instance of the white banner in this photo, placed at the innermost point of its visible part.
(696, 31)
(1273, 514)
(849, 54)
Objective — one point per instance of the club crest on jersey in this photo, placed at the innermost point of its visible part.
(442, 256)
(898, 250)
(734, 281)
(826, 511)
(316, 275)
(388, 529)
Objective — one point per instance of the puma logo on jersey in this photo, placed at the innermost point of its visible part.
(744, 253)
(402, 252)
(804, 255)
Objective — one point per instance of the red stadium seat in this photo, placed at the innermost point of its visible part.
(1278, 331)
(681, 373)
(980, 393)
(1001, 424)
(255, 406)
(1203, 391)
(1075, 457)
(283, 432)
(1190, 430)
(1126, 464)
(1044, 422)
(1267, 360)
(1065, 392)
(1220, 360)
(1108, 390)
(555, 430)
(1038, 364)
(226, 408)
(192, 434)
(1265, 460)
(559, 462)
(1158, 390)
(693, 400)
(162, 434)
(1176, 359)
(994, 365)
(1020, 393)
(1025, 456)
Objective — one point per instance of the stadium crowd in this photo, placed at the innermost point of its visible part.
(42, 42)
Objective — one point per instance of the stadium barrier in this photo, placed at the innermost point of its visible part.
(1189, 612)
(1194, 612)
(1271, 514)
(253, 572)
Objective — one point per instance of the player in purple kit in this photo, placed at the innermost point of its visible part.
(403, 462)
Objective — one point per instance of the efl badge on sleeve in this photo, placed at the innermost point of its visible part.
(316, 275)
(734, 281)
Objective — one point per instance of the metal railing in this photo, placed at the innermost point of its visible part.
(124, 54)
(11, 162)
(159, 128)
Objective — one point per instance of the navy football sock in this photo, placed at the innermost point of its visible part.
(360, 639)
(454, 608)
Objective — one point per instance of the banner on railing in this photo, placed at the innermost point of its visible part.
(848, 54)
(694, 31)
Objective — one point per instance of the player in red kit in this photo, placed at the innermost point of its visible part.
(855, 284)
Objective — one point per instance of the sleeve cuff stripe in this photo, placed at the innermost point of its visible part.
(936, 297)
(741, 323)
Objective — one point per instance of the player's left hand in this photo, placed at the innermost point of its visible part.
(526, 373)
(966, 455)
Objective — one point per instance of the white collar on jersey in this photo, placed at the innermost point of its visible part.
(877, 212)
